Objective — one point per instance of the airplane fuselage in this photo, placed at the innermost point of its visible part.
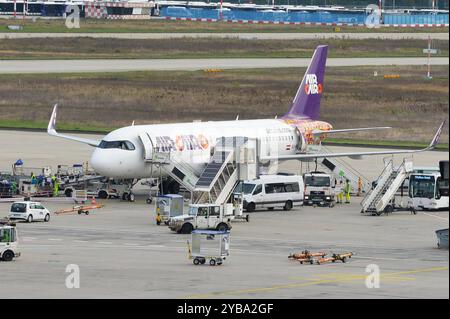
(194, 142)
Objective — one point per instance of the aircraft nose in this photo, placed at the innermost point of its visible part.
(99, 163)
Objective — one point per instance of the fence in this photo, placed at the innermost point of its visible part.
(282, 16)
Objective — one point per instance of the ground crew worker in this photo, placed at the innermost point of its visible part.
(55, 188)
(14, 187)
(33, 179)
(339, 191)
(158, 216)
(347, 190)
(53, 180)
(359, 186)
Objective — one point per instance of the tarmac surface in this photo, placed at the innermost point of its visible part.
(120, 65)
(121, 253)
(234, 35)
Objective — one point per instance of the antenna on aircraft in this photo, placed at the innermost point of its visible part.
(132, 124)
(237, 117)
(276, 116)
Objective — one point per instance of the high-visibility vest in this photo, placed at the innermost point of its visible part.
(347, 188)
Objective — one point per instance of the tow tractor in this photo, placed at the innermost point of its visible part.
(203, 216)
(8, 241)
(318, 190)
(209, 216)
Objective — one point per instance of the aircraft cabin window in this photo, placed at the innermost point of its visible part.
(123, 145)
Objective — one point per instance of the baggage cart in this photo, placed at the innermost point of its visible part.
(210, 246)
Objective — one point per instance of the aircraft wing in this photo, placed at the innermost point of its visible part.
(52, 131)
(320, 132)
(359, 155)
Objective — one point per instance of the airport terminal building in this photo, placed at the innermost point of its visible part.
(400, 13)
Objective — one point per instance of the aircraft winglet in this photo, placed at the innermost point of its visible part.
(436, 137)
(52, 123)
(51, 130)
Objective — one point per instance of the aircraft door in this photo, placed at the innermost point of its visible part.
(301, 141)
(147, 145)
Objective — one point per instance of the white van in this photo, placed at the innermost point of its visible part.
(29, 211)
(272, 191)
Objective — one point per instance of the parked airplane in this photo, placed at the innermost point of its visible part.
(122, 152)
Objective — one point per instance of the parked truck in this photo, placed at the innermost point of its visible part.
(318, 190)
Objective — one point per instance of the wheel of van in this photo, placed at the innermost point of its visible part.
(68, 192)
(30, 219)
(202, 261)
(47, 218)
(196, 261)
(187, 228)
(131, 197)
(288, 206)
(212, 262)
(103, 194)
(8, 255)
(251, 207)
(222, 227)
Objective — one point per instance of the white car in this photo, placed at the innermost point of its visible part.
(29, 211)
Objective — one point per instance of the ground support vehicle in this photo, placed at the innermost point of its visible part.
(209, 246)
(9, 242)
(168, 206)
(203, 216)
(318, 190)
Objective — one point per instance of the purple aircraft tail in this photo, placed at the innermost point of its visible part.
(306, 103)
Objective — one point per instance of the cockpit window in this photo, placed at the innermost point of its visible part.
(123, 145)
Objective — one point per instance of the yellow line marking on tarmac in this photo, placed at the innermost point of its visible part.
(347, 278)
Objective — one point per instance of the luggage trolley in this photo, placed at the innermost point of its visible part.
(212, 245)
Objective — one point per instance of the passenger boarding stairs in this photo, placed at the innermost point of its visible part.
(177, 168)
(222, 173)
(213, 184)
(217, 180)
(341, 169)
(378, 199)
